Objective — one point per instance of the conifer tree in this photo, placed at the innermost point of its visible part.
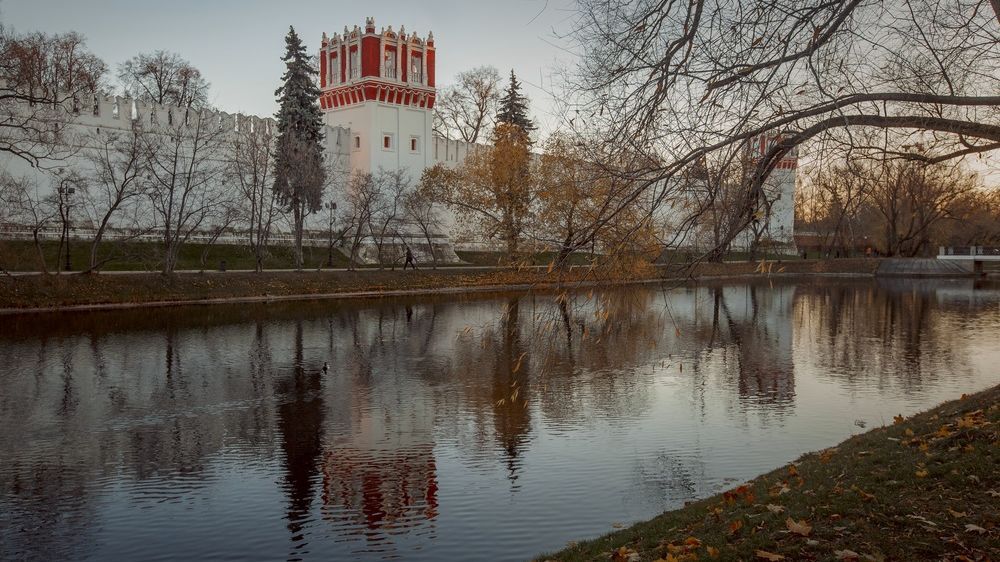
(299, 172)
(514, 107)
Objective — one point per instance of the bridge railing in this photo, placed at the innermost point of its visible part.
(971, 251)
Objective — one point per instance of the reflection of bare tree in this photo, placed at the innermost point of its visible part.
(741, 334)
(763, 357)
(151, 405)
(894, 332)
(511, 379)
(300, 422)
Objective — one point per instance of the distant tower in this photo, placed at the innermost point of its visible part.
(380, 85)
(779, 189)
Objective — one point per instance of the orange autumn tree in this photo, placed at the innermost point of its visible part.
(585, 202)
(491, 192)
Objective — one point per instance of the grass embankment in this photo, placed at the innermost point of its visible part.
(50, 291)
(925, 488)
(22, 255)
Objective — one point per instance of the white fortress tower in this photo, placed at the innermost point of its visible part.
(779, 188)
(380, 86)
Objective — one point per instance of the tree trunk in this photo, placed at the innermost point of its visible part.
(41, 253)
(98, 237)
(430, 248)
(298, 236)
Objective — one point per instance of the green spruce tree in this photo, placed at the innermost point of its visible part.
(299, 172)
(514, 107)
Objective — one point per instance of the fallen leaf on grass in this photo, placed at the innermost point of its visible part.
(774, 508)
(624, 554)
(765, 555)
(712, 551)
(921, 473)
(897, 419)
(922, 520)
(957, 514)
(970, 528)
(798, 527)
(846, 554)
(735, 526)
(864, 495)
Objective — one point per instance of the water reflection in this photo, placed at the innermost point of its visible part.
(511, 423)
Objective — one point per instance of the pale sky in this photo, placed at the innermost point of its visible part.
(237, 44)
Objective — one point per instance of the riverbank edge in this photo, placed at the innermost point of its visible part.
(921, 488)
(66, 293)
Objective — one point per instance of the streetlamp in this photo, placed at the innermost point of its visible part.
(65, 194)
(331, 208)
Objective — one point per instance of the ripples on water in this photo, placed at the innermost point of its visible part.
(490, 428)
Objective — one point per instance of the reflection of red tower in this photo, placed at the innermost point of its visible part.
(381, 489)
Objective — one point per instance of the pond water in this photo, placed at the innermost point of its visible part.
(493, 427)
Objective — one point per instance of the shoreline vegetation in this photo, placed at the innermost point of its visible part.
(921, 488)
(67, 291)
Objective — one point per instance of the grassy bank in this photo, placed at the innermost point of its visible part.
(22, 255)
(924, 488)
(42, 291)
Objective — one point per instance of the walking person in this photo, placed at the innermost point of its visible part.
(409, 259)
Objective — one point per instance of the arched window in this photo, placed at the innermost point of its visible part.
(416, 68)
(390, 64)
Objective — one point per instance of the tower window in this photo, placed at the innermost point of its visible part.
(387, 143)
(414, 144)
(357, 142)
(390, 64)
(333, 73)
(416, 68)
(355, 64)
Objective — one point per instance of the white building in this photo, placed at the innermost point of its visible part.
(378, 90)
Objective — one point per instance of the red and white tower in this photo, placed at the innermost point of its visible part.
(380, 85)
(779, 188)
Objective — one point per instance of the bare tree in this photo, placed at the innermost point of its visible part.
(677, 81)
(419, 210)
(27, 207)
(387, 201)
(44, 81)
(250, 168)
(164, 78)
(119, 160)
(362, 195)
(465, 110)
(184, 177)
(912, 197)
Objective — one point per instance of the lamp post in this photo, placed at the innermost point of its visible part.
(331, 208)
(65, 194)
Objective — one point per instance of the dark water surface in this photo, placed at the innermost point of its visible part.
(491, 428)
